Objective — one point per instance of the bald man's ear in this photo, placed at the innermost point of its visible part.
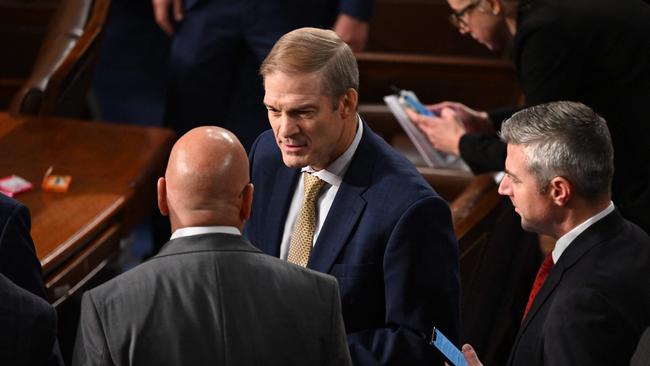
(162, 196)
(246, 203)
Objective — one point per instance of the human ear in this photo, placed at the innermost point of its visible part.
(560, 190)
(162, 196)
(496, 7)
(246, 202)
(348, 103)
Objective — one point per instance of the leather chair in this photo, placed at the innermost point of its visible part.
(59, 81)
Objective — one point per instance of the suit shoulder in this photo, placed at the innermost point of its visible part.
(294, 274)
(277, 264)
(264, 146)
(395, 172)
(9, 207)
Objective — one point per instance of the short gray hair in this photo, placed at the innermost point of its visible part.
(313, 50)
(566, 139)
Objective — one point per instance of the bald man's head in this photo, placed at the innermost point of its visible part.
(207, 180)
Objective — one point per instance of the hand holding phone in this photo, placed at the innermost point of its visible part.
(408, 99)
(453, 355)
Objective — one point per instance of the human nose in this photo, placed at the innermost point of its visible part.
(504, 186)
(288, 126)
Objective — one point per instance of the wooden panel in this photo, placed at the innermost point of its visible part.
(419, 27)
(113, 169)
(61, 222)
(479, 83)
(65, 282)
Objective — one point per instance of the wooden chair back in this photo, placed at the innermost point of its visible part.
(61, 75)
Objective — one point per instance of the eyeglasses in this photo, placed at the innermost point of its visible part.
(456, 17)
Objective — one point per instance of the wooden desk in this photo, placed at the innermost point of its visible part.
(113, 169)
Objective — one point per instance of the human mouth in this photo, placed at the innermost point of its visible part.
(293, 147)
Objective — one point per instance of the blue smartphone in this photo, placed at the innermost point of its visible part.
(453, 355)
(414, 104)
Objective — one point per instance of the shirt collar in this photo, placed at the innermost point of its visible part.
(334, 173)
(566, 239)
(199, 230)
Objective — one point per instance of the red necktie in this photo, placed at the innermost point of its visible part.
(544, 269)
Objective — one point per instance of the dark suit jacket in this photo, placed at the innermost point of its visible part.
(592, 51)
(388, 240)
(594, 304)
(27, 326)
(18, 259)
(212, 299)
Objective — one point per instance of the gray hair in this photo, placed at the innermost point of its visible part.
(566, 139)
(313, 50)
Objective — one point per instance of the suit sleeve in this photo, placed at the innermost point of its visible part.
(482, 153)
(421, 286)
(587, 329)
(18, 260)
(44, 333)
(339, 354)
(90, 347)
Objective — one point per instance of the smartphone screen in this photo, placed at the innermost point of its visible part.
(414, 104)
(453, 355)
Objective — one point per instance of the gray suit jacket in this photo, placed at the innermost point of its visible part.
(213, 299)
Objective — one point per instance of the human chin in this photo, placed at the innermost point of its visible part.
(295, 161)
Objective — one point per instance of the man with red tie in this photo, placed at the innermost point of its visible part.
(591, 299)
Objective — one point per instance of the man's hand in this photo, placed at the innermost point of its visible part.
(161, 13)
(470, 356)
(443, 132)
(352, 31)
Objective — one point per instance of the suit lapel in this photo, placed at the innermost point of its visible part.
(346, 208)
(283, 187)
(341, 219)
(602, 230)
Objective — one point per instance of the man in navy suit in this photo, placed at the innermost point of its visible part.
(375, 224)
(27, 327)
(218, 46)
(18, 259)
(22, 270)
(591, 299)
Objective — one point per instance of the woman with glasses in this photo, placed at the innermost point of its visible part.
(593, 51)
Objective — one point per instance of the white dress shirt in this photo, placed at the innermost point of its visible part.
(333, 176)
(565, 240)
(199, 230)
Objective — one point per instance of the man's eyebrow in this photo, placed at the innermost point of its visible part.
(302, 106)
(292, 108)
(510, 173)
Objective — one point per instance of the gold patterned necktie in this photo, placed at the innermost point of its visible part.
(303, 231)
